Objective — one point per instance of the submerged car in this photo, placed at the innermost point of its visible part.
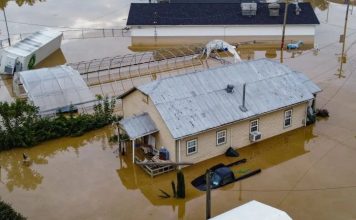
(294, 45)
(221, 175)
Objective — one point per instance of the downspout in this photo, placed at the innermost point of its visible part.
(178, 158)
(133, 151)
(306, 114)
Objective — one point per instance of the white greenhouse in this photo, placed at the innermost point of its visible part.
(53, 89)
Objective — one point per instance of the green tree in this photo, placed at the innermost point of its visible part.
(21, 126)
(3, 3)
(8, 213)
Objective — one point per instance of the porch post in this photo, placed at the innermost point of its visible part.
(133, 151)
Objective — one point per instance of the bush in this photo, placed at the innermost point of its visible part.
(8, 213)
(21, 126)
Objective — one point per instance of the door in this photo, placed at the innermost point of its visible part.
(18, 66)
(10, 64)
(152, 141)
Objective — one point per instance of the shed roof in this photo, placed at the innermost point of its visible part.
(214, 14)
(194, 102)
(31, 43)
(55, 88)
(254, 210)
(138, 125)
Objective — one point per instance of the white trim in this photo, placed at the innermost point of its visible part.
(196, 146)
(221, 30)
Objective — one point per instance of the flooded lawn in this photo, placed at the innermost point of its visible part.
(308, 172)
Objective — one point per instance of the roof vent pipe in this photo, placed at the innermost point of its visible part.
(230, 88)
(273, 9)
(243, 107)
(297, 8)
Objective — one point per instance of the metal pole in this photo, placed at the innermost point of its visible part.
(208, 199)
(344, 39)
(7, 28)
(327, 14)
(284, 28)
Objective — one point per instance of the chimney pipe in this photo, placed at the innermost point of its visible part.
(243, 107)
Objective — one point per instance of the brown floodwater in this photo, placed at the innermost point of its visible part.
(308, 172)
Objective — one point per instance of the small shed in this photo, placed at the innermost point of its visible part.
(254, 210)
(30, 51)
(53, 89)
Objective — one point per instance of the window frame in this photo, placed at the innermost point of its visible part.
(258, 125)
(187, 147)
(217, 137)
(286, 118)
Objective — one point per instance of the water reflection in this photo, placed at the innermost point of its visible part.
(55, 59)
(262, 155)
(321, 4)
(14, 174)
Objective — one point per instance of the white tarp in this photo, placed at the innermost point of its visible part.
(254, 210)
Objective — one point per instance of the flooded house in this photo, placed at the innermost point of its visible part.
(199, 115)
(180, 22)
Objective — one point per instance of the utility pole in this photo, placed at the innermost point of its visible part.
(208, 192)
(343, 57)
(7, 28)
(284, 28)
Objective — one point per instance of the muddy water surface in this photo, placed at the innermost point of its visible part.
(308, 172)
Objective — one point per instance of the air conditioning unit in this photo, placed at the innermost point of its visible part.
(255, 136)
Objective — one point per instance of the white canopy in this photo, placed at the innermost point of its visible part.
(254, 210)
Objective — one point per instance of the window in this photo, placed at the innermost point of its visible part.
(221, 137)
(288, 118)
(192, 146)
(254, 125)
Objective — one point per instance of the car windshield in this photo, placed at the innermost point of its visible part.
(215, 180)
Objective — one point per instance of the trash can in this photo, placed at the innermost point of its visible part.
(163, 154)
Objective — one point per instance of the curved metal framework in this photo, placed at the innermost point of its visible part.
(112, 76)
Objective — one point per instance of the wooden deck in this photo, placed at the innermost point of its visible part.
(152, 170)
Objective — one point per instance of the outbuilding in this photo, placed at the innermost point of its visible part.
(53, 90)
(27, 53)
(167, 24)
(254, 210)
(199, 115)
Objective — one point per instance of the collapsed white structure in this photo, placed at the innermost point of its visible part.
(53, 89)
(27, 53)
(254, 210)
(221, 45)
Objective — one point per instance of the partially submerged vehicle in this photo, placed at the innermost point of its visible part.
(294, 45)
(221, 175)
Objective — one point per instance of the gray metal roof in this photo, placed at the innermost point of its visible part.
(138, 125)
(31, 43)
(195, 102)
(55, 88)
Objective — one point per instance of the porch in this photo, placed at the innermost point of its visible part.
(139, 133)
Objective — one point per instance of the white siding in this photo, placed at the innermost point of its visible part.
(241, 30)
